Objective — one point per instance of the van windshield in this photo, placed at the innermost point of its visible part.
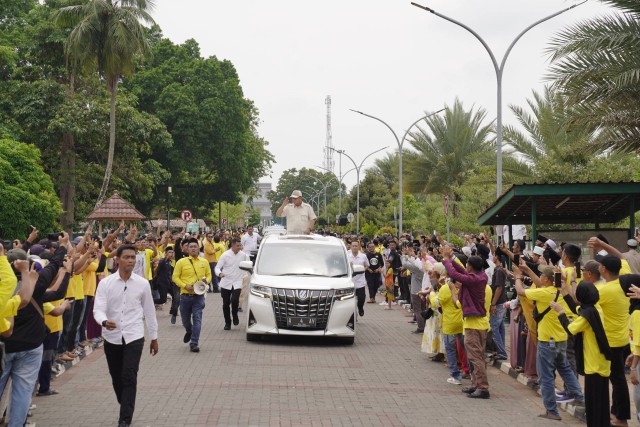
(302, 260)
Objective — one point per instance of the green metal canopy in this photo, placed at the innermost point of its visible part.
(565, 203)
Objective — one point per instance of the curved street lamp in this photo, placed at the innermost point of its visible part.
(340, 178)
(499, 69)
(400, 143)
(357, 168)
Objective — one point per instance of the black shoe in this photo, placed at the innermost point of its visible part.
(236, 321)
(187, 337)
(123, 424)
(361, 312)
(419, 331)
(216, 291)
(468, 390)
(194, 348)
(227, 326)
(479, 394)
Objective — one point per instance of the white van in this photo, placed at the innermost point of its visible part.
(301, 285)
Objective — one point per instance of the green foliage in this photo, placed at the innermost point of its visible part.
(596, 63)
(556, 149)
(217, 153)
(27, 193)
(369, 229)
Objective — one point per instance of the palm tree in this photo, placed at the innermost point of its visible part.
(556, 148)
(388, 167)
(450, 152)
(108, 34)
(596, 63)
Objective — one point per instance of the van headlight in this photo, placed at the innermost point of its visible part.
(261, 291)
(343, 294)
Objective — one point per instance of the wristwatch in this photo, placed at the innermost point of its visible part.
(104, 323)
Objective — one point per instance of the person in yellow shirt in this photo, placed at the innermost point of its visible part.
(615, 306)
(52, 318)
(187, 272)
(552, 341)
(89, 282)
(219, 247)
(451, 328)
(8, 279)
(210, 252)
(593, 353)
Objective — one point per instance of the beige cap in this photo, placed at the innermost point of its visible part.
(296, 194)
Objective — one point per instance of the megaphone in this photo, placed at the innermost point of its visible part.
(200, 287)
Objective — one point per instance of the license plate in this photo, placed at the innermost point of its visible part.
(301, 322)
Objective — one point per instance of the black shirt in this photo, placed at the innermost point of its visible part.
(29, 329)
(497, 281)
(375, 262)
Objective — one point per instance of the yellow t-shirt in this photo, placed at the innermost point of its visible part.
(8, 311)
(594, 360)
(148, 272)
(209, 251)
(184, 274)
(550, 326)
(451, 314)
(222, 246)
(75, 285)
(89, 279)
(477, 322)
(615, 306)
(634, 326)
(8, 280)
(54, 323)
(625, 268)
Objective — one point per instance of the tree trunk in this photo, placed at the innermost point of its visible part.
(113, 88)
(456, 209)
(67, 180)
(68, 171)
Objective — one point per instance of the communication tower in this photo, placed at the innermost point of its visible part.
(328, 163)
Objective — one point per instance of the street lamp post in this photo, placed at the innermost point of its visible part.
(400, 143)
(168, 207)
(499, 69)
(340, 178)
(324, 188)
(357, 168)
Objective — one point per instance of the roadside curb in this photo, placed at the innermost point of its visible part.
(65, 366)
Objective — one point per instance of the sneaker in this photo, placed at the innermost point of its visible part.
(418, 331)
(564, 399)
(479, 394)
(561, 394)
(187, 337)
(550, 416)
(468, 390)
(173, 319)
(194, 348)
(452, 380)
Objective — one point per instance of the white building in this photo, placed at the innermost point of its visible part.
(263, 204)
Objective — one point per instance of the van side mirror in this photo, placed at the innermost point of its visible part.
(246, 266)
(358, 269)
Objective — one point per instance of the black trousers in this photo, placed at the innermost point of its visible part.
(620, 404)
(230, 299)
(361, 294)
(123, 361)
(49, 352)
(163, 290)
(175, 299)
(75, 323)
(596, 400)
(403, 282)
(374, 281)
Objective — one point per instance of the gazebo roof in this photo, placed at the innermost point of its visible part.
(115, 208)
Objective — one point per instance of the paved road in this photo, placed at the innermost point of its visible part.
(382, 380)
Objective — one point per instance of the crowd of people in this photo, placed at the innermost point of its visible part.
(565, 318)
(57, 300)
(59, 295)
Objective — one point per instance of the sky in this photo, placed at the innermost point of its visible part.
(384, 57)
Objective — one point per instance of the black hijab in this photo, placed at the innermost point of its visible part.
(587, 295)
(626, 281)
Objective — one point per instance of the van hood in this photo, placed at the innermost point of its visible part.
(302, 282)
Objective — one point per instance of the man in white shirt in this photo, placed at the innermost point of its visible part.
(228, 269)
(355, 257)
(250, 240)
(300, 216)
(121, 303)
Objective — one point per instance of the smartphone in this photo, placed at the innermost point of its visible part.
(557, 279)
(516, 259)
(578, 269)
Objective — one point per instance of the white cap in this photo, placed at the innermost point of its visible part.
(538, 250)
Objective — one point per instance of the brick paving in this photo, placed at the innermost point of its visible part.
(382, 380)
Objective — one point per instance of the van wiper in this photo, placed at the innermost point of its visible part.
(340, 275)
(302, 274)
